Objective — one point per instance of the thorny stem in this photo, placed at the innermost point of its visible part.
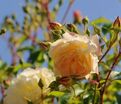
(96, 86)
(93, 101)
(46, 6)
(108, 75)
(102, 39)
(105, 53)
(111, 44)
(48, 12)
(67, 10)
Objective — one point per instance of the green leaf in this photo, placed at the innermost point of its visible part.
(105, 66)
(97, 30)
(30, 48)
(114, 73)
(106, 28)
(2, 65)
(64, 99)
(56, 93)
(18, 67)
(34, 56)
(100, 20)
(118, 97)
(22, 39)
(54, 85)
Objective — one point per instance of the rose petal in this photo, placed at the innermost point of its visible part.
(95, 39)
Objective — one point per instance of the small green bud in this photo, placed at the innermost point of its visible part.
(2, 31)
(26, 9)
(13, 16)
(72, 28)
(56, 34)
(97, 30)
(85, 20)
(88, 32)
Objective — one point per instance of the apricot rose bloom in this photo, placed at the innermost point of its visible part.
(75, 55)
(25, 86)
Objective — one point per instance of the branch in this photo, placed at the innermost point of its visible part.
(108, 75)
(67, 10)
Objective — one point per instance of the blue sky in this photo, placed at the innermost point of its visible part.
(94, 9)
(90, 8)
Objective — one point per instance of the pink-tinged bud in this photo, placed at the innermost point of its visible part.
(66, 81)
(44, 45)
(54, 25)
(77, 16)
(117, 22)
(93, 82)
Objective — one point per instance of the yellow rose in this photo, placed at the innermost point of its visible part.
(25, 86)
(75, 55)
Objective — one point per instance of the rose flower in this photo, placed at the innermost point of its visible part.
(25, 86)
(75, 55)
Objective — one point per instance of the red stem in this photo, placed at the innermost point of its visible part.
(108, 75)
(67, 10)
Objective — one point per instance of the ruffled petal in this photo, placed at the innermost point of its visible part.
(95, 40)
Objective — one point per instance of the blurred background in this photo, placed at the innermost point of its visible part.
(25, 30)
(90, 8)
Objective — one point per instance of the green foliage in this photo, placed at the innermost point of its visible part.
(100, 20)
(56, 93)
(24, 39)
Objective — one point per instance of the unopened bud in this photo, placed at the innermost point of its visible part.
(8, 20)
(66, 81)
(44, 45)
(85, 20)
(54, 25)
(88, 32)
(2, 31)
(77, 17)
(117, 23)
(13, 16)
(26, 9)
(72, 28)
